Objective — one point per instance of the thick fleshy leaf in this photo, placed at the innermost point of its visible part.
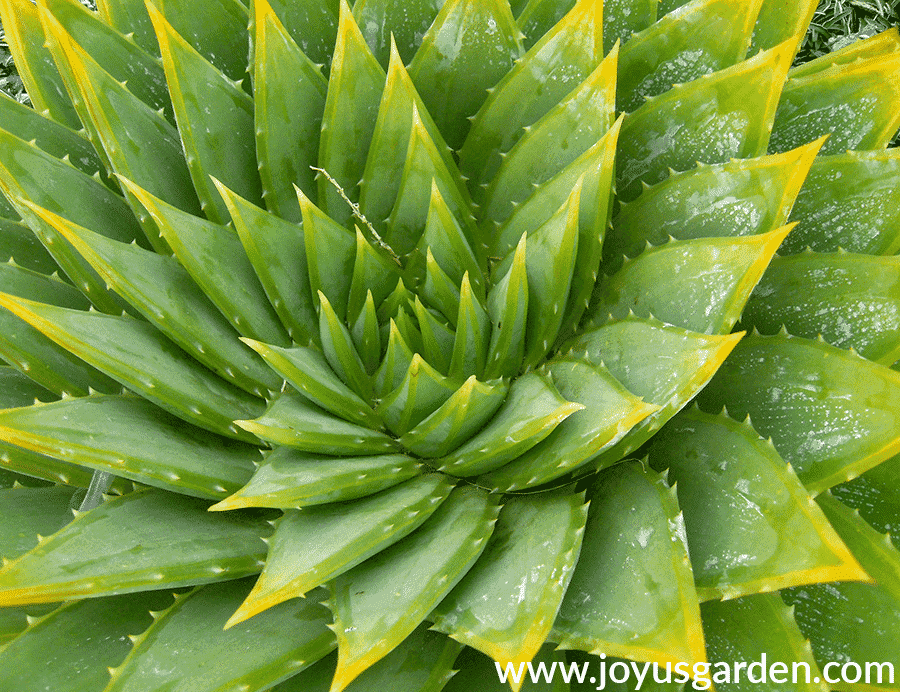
(852, 623)
(309, 373)
(367, 335)
(19, 244)
(130, 17)
(855, 103)
(850, 201)
(215, 122)
(214, 257)
(355, 86)
(548, 72)
(330, 255)
(291, 420)
(438, 337)
(853, 301)
(701, 284)
(340, 351)
(87, 636)
(313, 24)
(375, 270)
(164, 293)
(473, 325)
(149, 539)
(457, 419)
(175, 651)
(132, 438)
(290, 478)
(289, 99)
(25, 38)
(780, 21)
(758, 628)
(568, 130)
(885, 43)
(634, 535)
(750, 524)
(505, 606)
(406, 22)
(137, 141)
(873, 494)
(419, 395)
(663, 365)
(478, 672)
(225, 43)
(831, 414)
(705, 36)
(124, 60)
(395, 363)
(315, 544)
(533, 408)
(507, 305)
(277, 251)
(722, 115)
(732, 199)
(49, 364)
(454, 82)
(380, 602)
(135, 354)
(610, 411)
(29, 513)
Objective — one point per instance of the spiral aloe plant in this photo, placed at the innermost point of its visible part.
(371, 344)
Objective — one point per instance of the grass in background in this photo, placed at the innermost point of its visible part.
(836, 24)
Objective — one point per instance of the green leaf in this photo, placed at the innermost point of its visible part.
(507, 305)
(86, 636)
(706, 36)
(478, 672)
(454, 82)
(438, 290)
(132, 438)
(779, 22)
(473, 325)
(291, 478)
(123, 59)
(403, 20)
(622, 18)
(831, 414)
(289, 99)
(437, 337)
(18, 390)
(309, 373)
(355, 86)
(315, 544)
(164, 293)
(720, 116)
(373, 272)
(224, 43)
(853, 301)
(395, 363)
(367, 335)
(701, 285)
(420, 394)
(873, 494)
(130, 17)
(531, 411)
(610, 411)
(750, 523)
(497, 611)
(176, 650)
(29, 513)
(27, 173)
(457, 419)
(49, 364)
(214, 257)
(291, 420)
(853, 103)
(137, 141)
(565, 132)
(634, 535)
(149, 539)
(548, 72)
(758, 628)
(741, 197)
(663, 365)
(21, 245)
(885, 43)
(135, 354)
(851, 201)
(25, 39)
(380, 602)
(340, 351)
(313, 24)
(215, 122)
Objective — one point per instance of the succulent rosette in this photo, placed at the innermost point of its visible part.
(372, 345)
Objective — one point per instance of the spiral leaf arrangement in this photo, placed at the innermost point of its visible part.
(440, 332)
